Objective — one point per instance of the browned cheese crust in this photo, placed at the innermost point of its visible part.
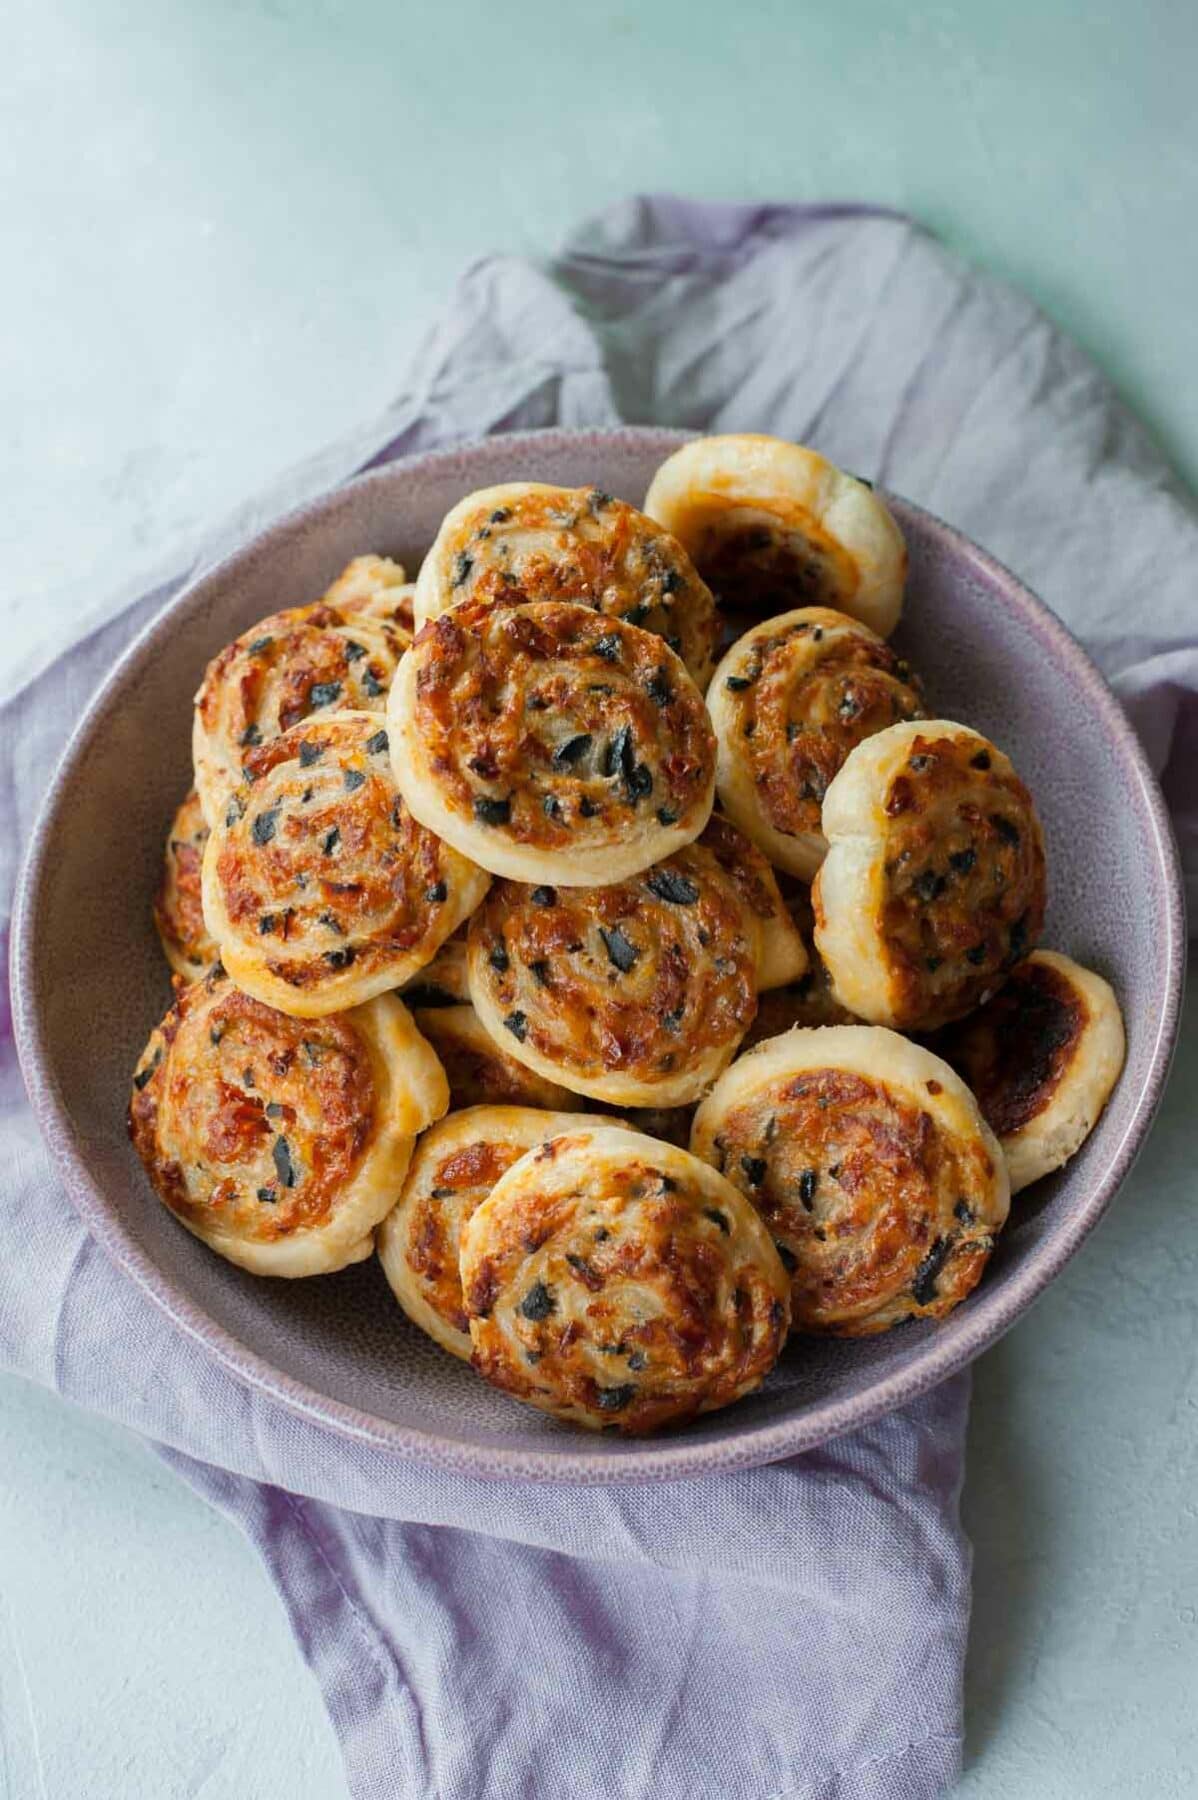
(480, 1072)
(178, 910)
(617, 1286)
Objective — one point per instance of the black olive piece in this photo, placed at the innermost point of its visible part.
(341, 958)
(309, 753)
(517, 1024)
(620, 950)
(354, 779)
(669, 885)
(323, 694)
(738, 683)
(597, 499)
(263, 828)
(587, 808)
(962, 860)
(963, 1211)
(333, 923)
(260, 644)
(267, 1195)
(274, 1110)
(601, 1234)
(377, 744)
(658, 688)
(638, 782)
(498, 958)
(251, 735)
(247, 1078)
(489, 811)
(666, 816)
(718, 1218)
(918, 764)
(572, 751)
(234, 811)
(618, 755)
(443, 1193)
(551, 806)
(608, 647)
(923, 1288)
(501, 515)
(976, 955)
(754, 1168)
(543, 896)
(372, 684)
(929, 885)
(637, 1360)
(636, 615)
(808, 1181)
(143, 1075)
(216, 1034)
(435, 894)
(673, 1019)
(284, 1167)
(788, 1259)
(981, 760)
(461, 568)
(330, 840)
(612, 1399)
(540, 971)
(538, 1303)
(267, 923)
(354, 652)
(1006, 829)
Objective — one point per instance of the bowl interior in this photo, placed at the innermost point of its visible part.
(91, 982)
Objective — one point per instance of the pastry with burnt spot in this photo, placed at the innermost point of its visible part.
(529, 541)
(319, 886)
(636, 994)
(789, 701)
(280, 1142)
(1042, 1058)
(933, 887)
(456, 1164)
(772, 525)
(178, 909)
(482, 1072)
(613, 1280)
(296, 665)
(871, 1165)
(550, 743)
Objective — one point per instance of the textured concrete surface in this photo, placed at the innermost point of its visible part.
(223, 228)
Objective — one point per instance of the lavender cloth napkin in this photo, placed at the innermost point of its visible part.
(796, 1631)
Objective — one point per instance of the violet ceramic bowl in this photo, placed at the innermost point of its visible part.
(90, 982)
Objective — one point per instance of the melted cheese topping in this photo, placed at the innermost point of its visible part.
(789, 701)
(308, 661)
(613, 1280)
(178, 910)
(281, 1143)
(551, 743)
(872, 1168)
(637, 994)
(526, 541)
(319, 886)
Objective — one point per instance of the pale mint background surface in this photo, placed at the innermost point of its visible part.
(223, 226)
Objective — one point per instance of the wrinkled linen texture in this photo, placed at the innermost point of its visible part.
(796, 1630)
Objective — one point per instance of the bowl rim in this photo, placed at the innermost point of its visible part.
(655, 1459)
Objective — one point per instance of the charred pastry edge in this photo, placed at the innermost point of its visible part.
(211, 776)
(434, 585)
(753, 471)
(681, 1087)
(638, 847)
(849, 891)
(877, 1055)
(798, 853)
(1076, 1103)
(410, 1093)
(339, 989)
(462, 1023)
(458, 1130)
(588, 1144)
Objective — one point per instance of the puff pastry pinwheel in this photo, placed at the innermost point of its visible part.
(307, 661)
(782, 954)
(482, 1072)
(550, 743)
(178, 910)
(611, 1279)
(441, 982)
(869, 1161)
(528, 541)
(375, 588)
(771, 525)
(280, 1142)
(933, 887)
(789, 701)
(455, 1166)
(319, 887)
(636, 994)
(1041, 1057)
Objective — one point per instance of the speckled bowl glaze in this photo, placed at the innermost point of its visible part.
(89, 982)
